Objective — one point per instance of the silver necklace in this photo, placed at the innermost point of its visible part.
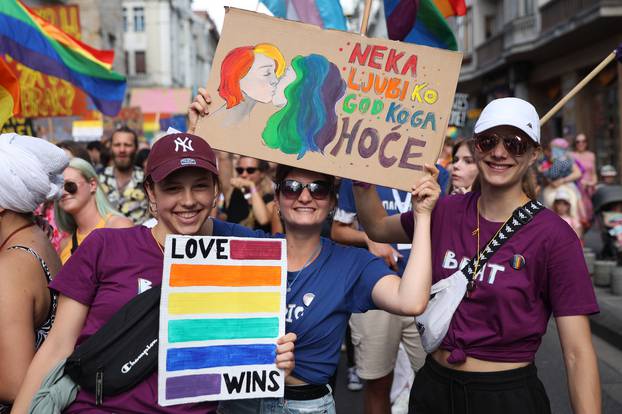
(304, 266)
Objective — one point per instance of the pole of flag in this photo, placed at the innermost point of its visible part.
(581, 85)
(366, 17)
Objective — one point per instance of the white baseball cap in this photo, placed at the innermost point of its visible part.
(513, 112)
(563, 195)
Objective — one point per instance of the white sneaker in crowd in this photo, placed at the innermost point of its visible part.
(354, 382)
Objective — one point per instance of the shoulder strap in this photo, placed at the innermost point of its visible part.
(520, 217)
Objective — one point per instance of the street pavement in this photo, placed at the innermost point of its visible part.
(550, 369)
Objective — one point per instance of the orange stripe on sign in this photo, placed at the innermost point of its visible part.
(218, 275)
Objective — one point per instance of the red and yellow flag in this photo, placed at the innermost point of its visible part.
(9, 93)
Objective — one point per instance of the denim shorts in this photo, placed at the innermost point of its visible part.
(323, 405)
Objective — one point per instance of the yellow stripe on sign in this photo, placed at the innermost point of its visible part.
(223, 302)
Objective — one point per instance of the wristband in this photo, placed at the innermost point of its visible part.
(253, 190)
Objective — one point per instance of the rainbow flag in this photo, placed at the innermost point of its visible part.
(423, 21)
(9, 93)
(44, 47)
(324, 13)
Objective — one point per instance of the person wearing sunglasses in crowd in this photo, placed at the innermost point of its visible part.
(83, 207)
(248, 198)
(327, 282)
(112, 266)
(30, 174)
(485, 362)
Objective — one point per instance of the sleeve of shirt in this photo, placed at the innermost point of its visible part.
(408, 223)
(570, 289)
(346, 208)
(78, 279)
(372, 270)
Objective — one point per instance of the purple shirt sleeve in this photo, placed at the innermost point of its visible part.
(408, 223)
(78, 279)
(569, 285)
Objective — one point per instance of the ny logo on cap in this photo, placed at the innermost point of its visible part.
(185, 144)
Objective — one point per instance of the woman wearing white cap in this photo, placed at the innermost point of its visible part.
(484, 362)
(30, 174)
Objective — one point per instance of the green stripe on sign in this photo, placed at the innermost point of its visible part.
(184, 330)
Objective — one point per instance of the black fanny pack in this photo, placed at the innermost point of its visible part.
(123, 352)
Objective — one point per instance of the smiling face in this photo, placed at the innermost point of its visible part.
(463, 168)
(260, 81)
(498, 168)
(305, 211)
(183, 200)
(85, 191)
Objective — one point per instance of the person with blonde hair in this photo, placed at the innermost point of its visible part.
(83, 207)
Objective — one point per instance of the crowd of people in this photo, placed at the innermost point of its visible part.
(81, 226)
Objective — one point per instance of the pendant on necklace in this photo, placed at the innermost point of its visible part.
(289, 289)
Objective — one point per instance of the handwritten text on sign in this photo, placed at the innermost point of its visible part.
(221, 312)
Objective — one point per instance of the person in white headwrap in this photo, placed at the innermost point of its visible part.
(30, 174)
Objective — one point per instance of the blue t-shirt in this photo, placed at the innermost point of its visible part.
(394, 202)
(337, 283)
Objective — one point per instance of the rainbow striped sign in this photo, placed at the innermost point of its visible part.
(221, 312)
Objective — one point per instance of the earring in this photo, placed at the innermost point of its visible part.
(331, 213)
(153, 208)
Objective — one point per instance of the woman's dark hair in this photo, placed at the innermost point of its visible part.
(141, 157)
(76, 149)
(469, 143)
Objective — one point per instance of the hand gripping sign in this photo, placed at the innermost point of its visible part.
(221, 313)
(369, 109)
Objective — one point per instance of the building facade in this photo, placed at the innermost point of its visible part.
(539, 50)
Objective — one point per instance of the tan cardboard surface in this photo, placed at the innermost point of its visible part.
(369, 109)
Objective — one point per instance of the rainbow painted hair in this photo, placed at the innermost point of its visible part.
(236, 65)
(308, 122)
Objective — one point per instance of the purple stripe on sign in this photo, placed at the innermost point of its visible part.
(255, 250)
(192, 386)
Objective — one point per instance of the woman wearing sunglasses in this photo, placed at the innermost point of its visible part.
(83, 207)
(248, 200)
(485, 362)
(327, 282)
(30, 174)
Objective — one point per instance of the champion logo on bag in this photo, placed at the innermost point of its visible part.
(128, 365)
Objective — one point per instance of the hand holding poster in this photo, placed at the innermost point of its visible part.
(335, 102)
(221, 312)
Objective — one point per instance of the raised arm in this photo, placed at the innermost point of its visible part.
(410, 294)
(377, 224)
(70, 317)
(581, 365)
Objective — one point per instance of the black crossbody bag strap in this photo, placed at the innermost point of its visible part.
(520, 217)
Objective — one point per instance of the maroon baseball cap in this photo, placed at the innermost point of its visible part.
(175, 151)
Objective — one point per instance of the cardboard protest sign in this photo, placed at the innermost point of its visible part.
(336, 102)
(221, 312)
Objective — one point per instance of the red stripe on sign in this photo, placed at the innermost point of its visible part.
(255, 249)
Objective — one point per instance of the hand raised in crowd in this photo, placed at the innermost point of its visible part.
(242, 183)
(285, 353)
(386, 252)
(426, 192)
(198, 108)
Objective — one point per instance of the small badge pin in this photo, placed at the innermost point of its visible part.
(308, 298)
(517, 262)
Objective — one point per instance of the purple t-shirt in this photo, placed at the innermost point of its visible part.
(107, 271)
(507, 314)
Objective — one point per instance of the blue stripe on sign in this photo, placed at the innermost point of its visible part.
(178, 359)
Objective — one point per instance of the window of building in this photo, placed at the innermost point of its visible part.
(127, 62)
(465, 31)
(125, 28)
(139, 19)
(140, 62)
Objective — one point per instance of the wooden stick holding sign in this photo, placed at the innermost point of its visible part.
(366, 13)
(339, 103)
(579, 86)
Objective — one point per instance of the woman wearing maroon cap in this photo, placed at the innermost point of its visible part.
(112, 266)
(484, 364)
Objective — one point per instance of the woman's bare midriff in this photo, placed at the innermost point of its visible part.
(291, 380)
(475, 365)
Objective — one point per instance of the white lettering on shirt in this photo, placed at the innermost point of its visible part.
(450, 262)
(294, 312)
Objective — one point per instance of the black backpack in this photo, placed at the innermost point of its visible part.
(123, 352)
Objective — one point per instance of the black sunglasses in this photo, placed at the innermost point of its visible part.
(515, 145)
(291, 189)
(70, 187)
(249, 170)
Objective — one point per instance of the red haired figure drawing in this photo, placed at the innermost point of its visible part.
(248, 74)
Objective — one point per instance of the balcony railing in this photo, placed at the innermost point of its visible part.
(557, 12)
(490, 51)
